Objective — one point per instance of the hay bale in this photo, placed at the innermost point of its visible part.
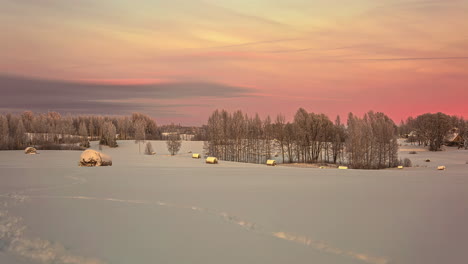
(400, 167)
(427, 160)
(196, 156)
(441, 168)
(342, 168)
(212, 160)
(149, 149)
(30, 150)
(91, 158)
(271, 163)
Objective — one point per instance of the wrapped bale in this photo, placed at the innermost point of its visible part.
(212, 160)
(91, 158)
(30, 150)
(196, 156)
(271, 163)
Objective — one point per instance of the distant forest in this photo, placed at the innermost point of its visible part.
(368, 142)
(54, 131)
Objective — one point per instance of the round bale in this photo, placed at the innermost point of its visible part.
(91, 158)
(212, 160)
(30, 150)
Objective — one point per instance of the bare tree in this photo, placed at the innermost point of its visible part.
(4, 132)
(173, 143)
(83, 132)
(338, 138)
(431, 129)
(371, 142)
(279, 134)
(20, 135)
(140, 134)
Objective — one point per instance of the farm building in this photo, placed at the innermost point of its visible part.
(454, 139)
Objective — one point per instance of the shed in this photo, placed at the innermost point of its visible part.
(454, 139)
(212, 160)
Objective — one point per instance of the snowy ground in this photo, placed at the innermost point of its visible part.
(163, 209)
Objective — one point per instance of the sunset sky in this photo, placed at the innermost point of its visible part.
(178, 60)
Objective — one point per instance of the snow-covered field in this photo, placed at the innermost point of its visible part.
(163, 209)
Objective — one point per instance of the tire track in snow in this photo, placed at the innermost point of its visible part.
(250, 226)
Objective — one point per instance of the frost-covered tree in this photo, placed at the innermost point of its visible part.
(173, 141)
(108, 134)
(20, 135)
(83, 132)
(4, 132)
(140, 135)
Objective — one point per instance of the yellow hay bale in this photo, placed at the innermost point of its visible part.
(441, 168)
(271, 162)
(196, 156)
(342, 168)
(212, 160)
(400, 167)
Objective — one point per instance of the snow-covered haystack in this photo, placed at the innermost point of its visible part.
(30, 150)
(91, 158)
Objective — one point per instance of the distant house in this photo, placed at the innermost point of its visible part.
(454, 139)
(187, 137)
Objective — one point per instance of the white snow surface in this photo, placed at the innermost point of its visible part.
(175, 209)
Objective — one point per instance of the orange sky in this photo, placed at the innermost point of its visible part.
(401, 57)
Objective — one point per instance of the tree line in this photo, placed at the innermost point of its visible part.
(368, 142)
(47, 130)
(434, 129)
